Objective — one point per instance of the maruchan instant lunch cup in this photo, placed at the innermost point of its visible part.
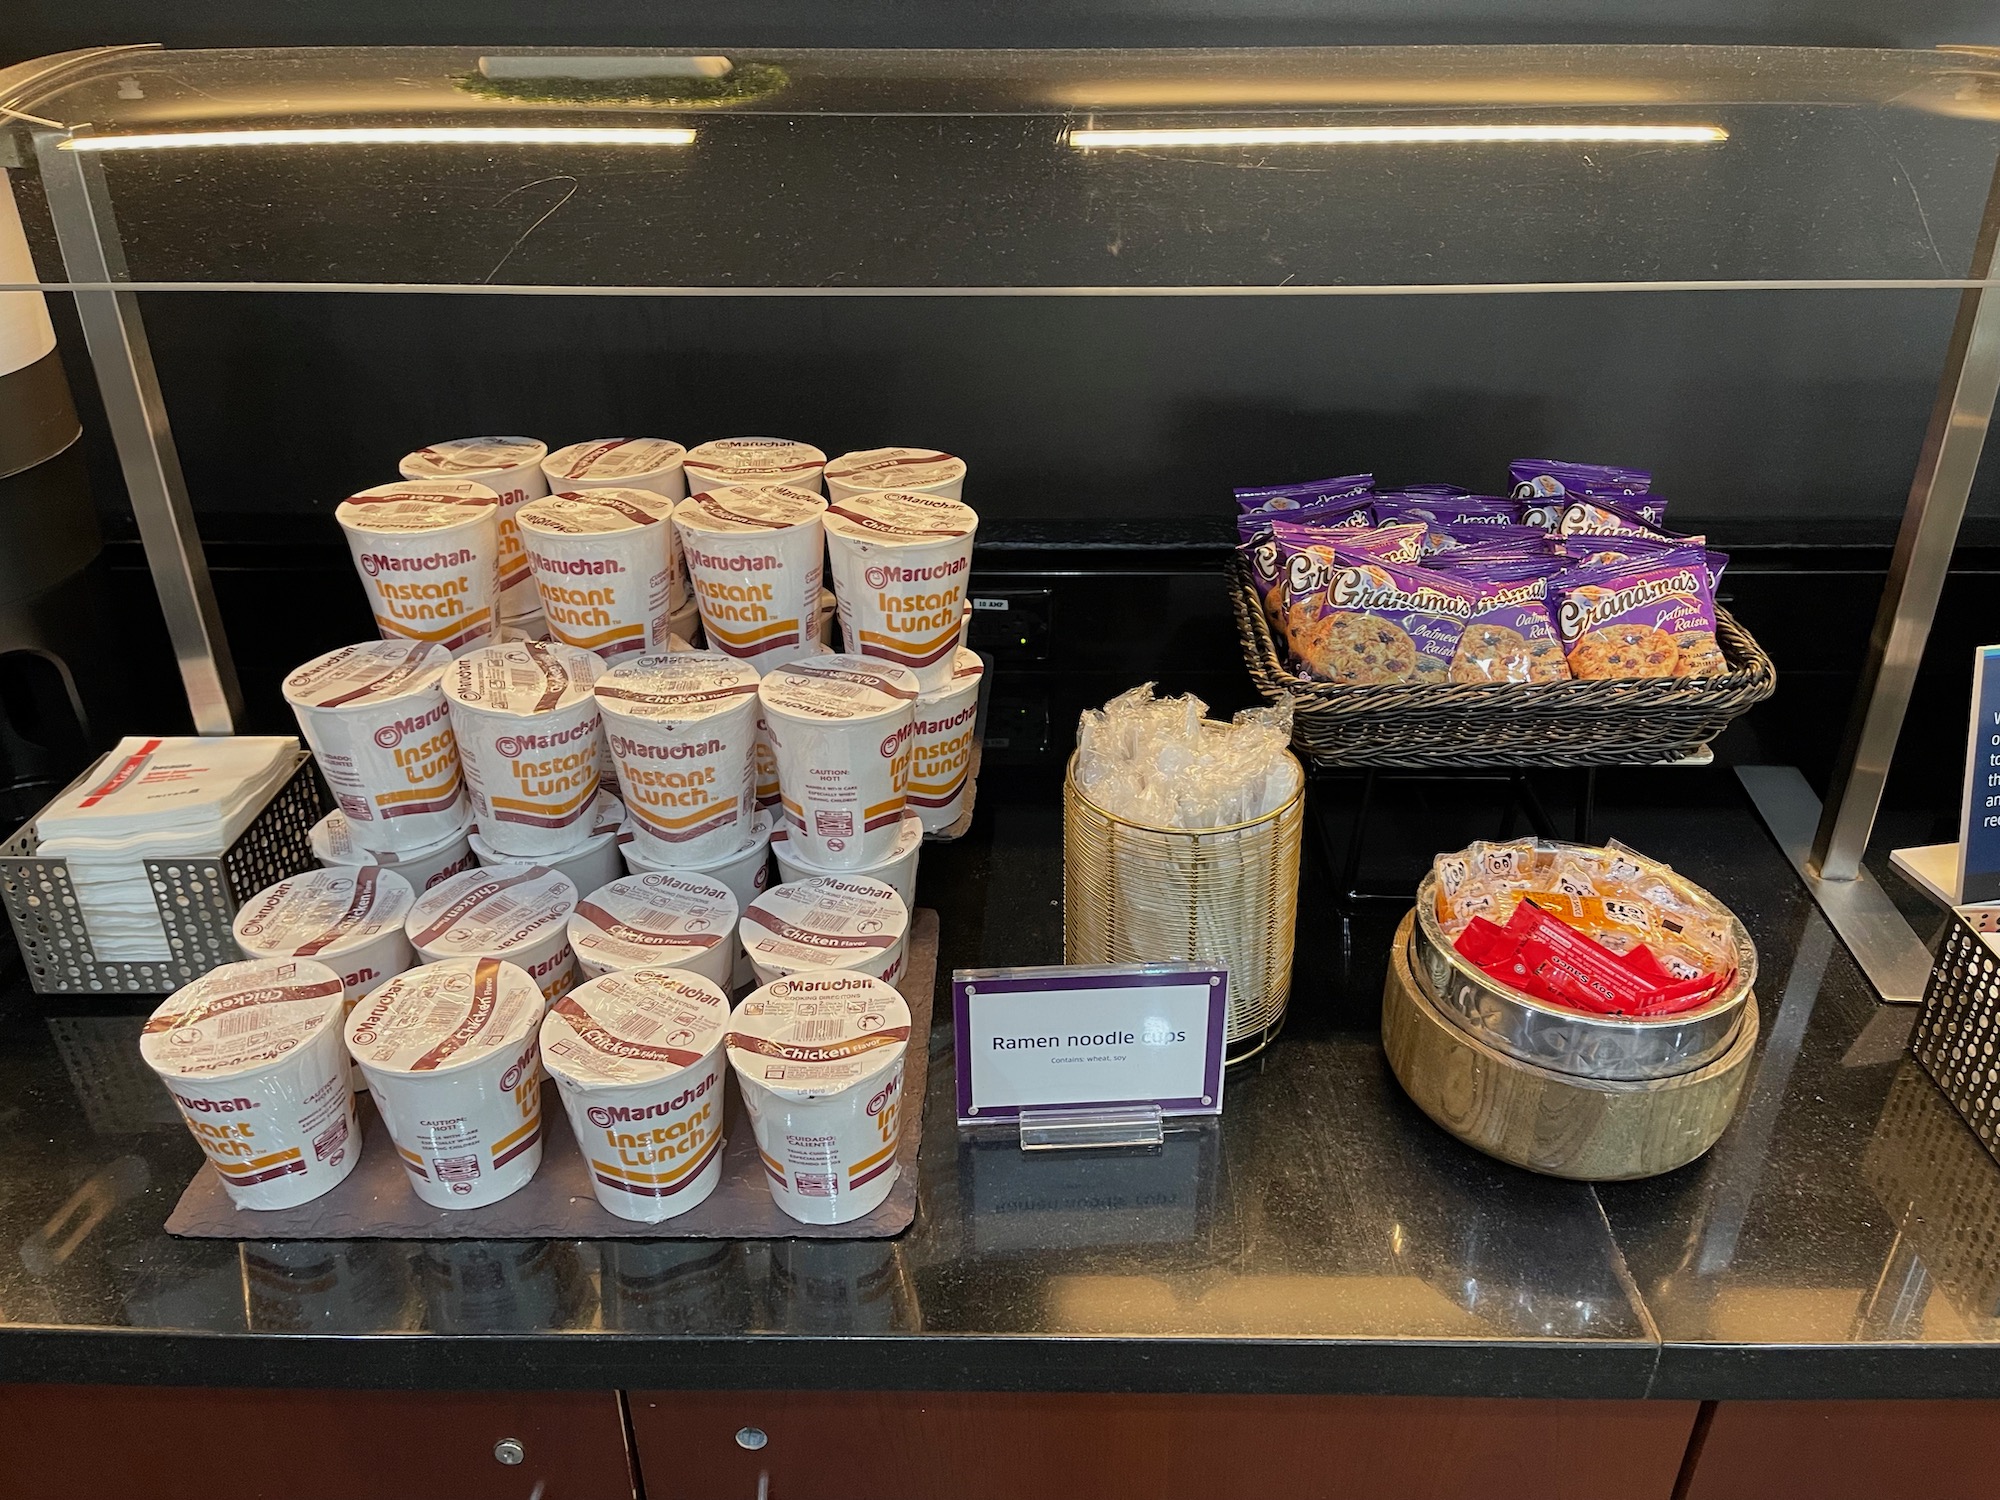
(827, 922)
(251, 1054)
(840, 728)
(819, 1059)
(627, 463)
(428, 553)
(943, 735)
(683, 734)
(519, 913)
(607, 564)
(898, 870)
(638, 1060)
(754, 461)
(919, 471)
(533, 627)
(901, 562)
(529, 743)
(450, 1052)
(374, 715)
(334, 846)
(660, 919)
(512, 468)
(747, 873)
(756, 557)
(589, 864)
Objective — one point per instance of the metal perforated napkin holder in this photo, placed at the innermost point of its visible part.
(1957, 1035)
(197, 895)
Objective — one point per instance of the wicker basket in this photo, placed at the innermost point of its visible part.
(1468, 725)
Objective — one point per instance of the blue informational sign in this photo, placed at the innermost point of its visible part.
(1979, 827)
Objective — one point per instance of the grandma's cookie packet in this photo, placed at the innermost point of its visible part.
(1650, 618)
(1510, 636)
(1383, 622)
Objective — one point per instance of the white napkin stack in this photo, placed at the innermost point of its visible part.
(154, 797)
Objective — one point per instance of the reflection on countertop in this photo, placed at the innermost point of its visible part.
(1321, 1236)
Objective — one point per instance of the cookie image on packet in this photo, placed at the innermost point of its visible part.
(1654, 618)
(1385, 622)
(1511, 637)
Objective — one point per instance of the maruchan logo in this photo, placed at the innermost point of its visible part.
(605, 1116)
(214, 1106)
(373, 563)
(881, 1100)
(894, 742)
(578, 565)
(758, 564)
(884, 574)
(631, 749)
(511, 745)
(877, 577)
(389, 736)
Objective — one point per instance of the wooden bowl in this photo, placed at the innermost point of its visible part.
(1592, 1130)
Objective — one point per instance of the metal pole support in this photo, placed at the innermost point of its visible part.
(1959, 420)
(87, 233)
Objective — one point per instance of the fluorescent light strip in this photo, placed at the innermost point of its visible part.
(395, 135)
(1091, 139)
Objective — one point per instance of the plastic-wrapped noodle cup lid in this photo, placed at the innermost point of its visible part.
(901, 518)
(839, 690)
(606, 564)
(375, 717)
(519, 913)
(445, 1016)
(753, 460)
(897, 869)
(923, 469)
(643, 1026)
(827, 922)
(654, 919)
(475, 455)
(678, 687)
(240, 1018)
(745, 508)
(326, 914)
(524, 678)
(334, 846)
(614, 508)
(418, 505)
(815, 1034)
(610, 460)
(251, 1054)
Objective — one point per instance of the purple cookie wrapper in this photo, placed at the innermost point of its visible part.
(1343, 511)
(1669, 592)
(1547, 478)
(1591, 551)
(1608, 515)
(1519, 605)
(1443, 491)
(1446, 509)
(1429, 607)
(1289, 496)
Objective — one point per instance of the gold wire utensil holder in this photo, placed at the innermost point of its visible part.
(1133, 893)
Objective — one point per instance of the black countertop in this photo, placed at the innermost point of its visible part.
(1323, 1236)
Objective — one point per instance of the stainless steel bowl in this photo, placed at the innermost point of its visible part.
(1584, 1046)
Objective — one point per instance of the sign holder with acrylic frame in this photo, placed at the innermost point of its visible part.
(1968, 872)
(1089, 1057)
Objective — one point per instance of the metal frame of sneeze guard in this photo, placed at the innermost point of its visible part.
(1825, 843)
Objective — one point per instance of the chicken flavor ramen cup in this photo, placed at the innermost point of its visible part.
(512, 468)
(747, 873)
(900, 566)
(519, 913)
(756, 560)
(754, 461)
(683, 734)
(661, 919)
(251, 1054)
(819, 1059)
(637, 463)
(922, 471)
(827, 922)
(840, 727)
(607, 565)
(428, 554)
(450, 1051)
(528, 739)
(943, 735)
(638, 1060)
(374, 715)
